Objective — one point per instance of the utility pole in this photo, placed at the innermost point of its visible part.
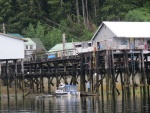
(64, 41)
(4, 28)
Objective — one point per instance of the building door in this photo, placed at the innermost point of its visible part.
(148, 44)
(132, 45)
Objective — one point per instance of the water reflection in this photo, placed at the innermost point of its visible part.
(90, 104)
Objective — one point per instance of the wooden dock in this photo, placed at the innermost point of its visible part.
(101, 68)
(89, 94)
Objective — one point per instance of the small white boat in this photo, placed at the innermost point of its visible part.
(67, 90)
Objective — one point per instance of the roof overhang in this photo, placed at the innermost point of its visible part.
(13, 37)
(126, 29)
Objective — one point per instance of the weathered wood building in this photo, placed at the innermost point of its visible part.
(122, 35)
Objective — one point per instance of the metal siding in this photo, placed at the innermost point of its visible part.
(121, 30)
(11, 48)
(105, 37)
(121, 43)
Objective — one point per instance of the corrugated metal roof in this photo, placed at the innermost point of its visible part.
(39, 44)
(127, 29)
(29, 41)
(59, 47)
(15, 35)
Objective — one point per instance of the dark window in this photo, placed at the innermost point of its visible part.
(78, 45)
(26, 47)
(123, 42)
(148, 43)
(89, 44)
(31, 46)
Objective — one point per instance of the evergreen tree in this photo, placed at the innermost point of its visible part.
(76, 18)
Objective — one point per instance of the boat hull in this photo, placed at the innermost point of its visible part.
(68, 94)
(62, 94)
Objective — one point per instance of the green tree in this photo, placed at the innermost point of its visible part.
(114, 10)
(30, 31)
(75, 18)
(141, 14)
(52, 38)
(75, 30)
(18, 14)
(49, 37)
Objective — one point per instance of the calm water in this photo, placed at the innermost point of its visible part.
(91, 104)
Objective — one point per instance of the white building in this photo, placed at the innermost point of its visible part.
(83, 47)
(122, 35)
(29, 47)
(11, 47)
(71, 48)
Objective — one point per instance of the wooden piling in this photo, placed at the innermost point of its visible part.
(82, 74)
(143, 72)
(32, 83)
(120, 71)
(29, 72)
(49, 85)
(91, 72)
(0, 83)
(32, 79)
(147, 75)
(64, 73)
(16, 73)
(107, 73)
(113, 78)
(36, 79)
(97, 71)
(40, 65)
(126, 76)
(140, 70)
(74, 74)
(22, 71)
(7, 77)
(133, 73)
(56, 74)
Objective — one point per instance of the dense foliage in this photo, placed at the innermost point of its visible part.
(78, 19)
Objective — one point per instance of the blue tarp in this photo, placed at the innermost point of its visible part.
(52, 56)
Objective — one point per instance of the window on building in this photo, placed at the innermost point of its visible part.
(89, 44)
(31, 46)
(124, 42)
(141, 41)
(26, 47)
(98, 44)
(70, 52)
(148, 44)
(79, 45)
(83, 45)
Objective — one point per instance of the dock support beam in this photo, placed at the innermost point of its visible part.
(82, 74)
(7, 77)
(143, 73)
(15, 61)
(22, 71)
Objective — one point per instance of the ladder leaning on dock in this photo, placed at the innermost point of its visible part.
(132, 63)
